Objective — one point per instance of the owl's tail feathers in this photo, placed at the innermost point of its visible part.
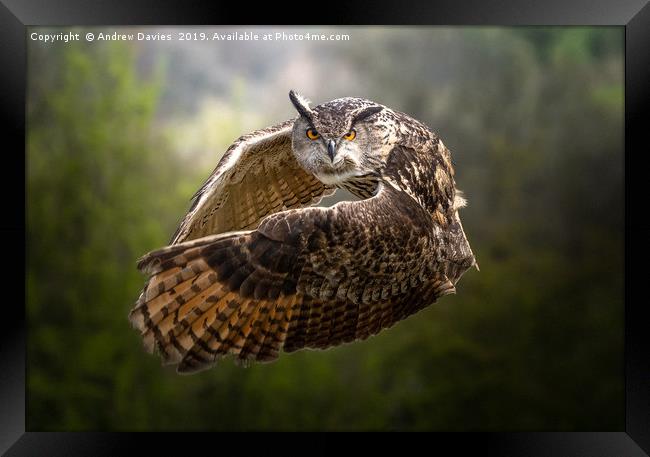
(191, 310)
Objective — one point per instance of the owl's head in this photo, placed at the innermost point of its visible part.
(336, 140)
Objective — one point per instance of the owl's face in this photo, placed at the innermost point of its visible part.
(336, 140)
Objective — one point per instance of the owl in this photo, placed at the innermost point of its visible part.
(255, 269)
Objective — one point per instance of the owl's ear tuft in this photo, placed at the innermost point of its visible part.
(366, 113)
(301, 104)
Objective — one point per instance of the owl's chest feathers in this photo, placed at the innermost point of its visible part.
(364, 186)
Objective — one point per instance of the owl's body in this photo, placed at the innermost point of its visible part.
(252, 271)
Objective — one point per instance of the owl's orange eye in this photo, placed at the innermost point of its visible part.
(312, 134)
(351, 135)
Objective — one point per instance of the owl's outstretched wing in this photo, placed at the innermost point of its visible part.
(305, 278)
(257, 176)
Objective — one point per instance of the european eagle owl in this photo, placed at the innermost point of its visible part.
(253, 268)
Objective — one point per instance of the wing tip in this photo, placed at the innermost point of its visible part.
(149, 264)
(186, 368)
(136, 319)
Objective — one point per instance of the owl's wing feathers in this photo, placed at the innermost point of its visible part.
(425, 172)
(256, 176)
(305, 278)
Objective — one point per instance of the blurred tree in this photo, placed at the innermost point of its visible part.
(102, 189)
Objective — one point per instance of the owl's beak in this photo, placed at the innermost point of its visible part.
(331, 149)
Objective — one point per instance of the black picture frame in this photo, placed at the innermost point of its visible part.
(633, 15)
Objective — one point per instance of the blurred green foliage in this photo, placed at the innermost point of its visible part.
(533, 341)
